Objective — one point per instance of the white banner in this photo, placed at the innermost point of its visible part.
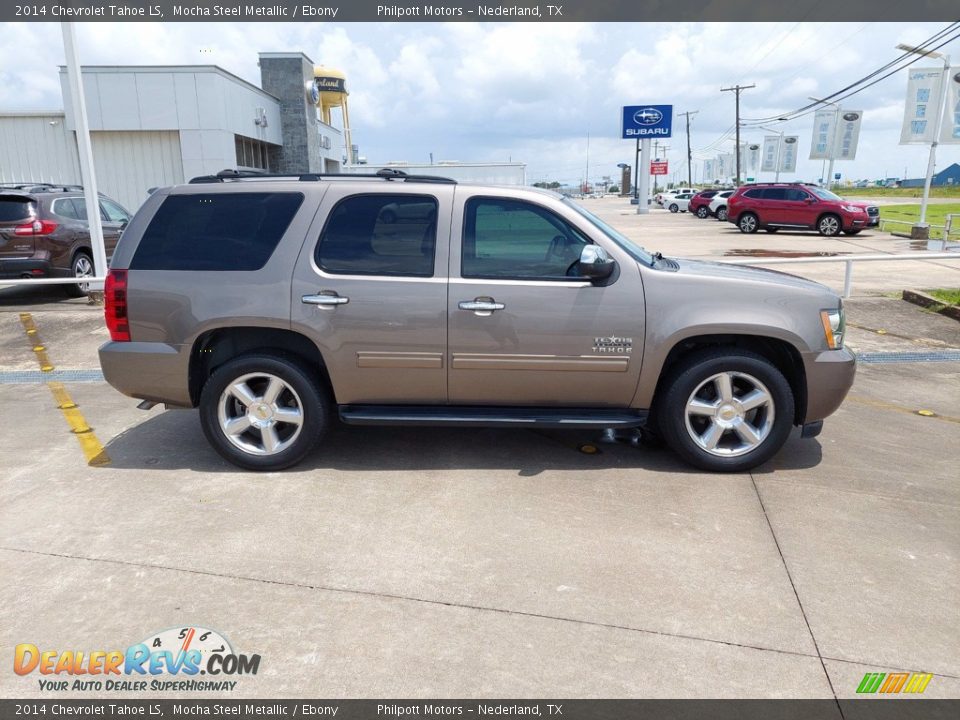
(951, 113)
(708, 171)
(824, 133)
(728, 165)
(848, 135)
(789, 149)
(770, 153)
(753, 159)
(923, 104)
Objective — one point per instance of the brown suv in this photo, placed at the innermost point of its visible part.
(275, 303)
(44, 232)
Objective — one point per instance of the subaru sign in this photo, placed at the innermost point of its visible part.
(647, 121)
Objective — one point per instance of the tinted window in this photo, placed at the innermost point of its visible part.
(775, 194)
(216, 231)
(113, 212)
(65, 208)
(79, 208)
(514, 239)
(753, 194)
(796, 195)
(380, 235)
(15, 208)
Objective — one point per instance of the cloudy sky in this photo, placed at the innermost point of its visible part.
(531, 92)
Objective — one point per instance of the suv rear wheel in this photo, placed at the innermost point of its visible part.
(722, 213)
(81, 266)
(674, 207)
(263, 411)
(726, 410)
(748, 223)
(703, 211)
(829, 225)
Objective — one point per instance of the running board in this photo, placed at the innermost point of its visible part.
(480, 416)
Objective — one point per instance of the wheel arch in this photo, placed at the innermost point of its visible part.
(213, 348)
(782, 354)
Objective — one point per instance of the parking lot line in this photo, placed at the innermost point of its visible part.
(91, 446)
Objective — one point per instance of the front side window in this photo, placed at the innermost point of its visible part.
(113, 212)
(796, 195)
(517, 240)
(380, 235)
(775, 194)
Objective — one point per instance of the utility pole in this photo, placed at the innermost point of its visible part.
(689, 153)
(737, 89)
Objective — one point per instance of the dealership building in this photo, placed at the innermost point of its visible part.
(152, 126)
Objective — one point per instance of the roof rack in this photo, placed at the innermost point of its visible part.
(388, 174)
(40, 187)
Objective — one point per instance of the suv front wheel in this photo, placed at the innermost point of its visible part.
(263, 411)
(726, 410)
(829, 225)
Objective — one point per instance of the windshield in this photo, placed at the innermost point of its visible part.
(824, 194)
(636, 251)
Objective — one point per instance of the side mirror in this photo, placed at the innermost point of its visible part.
(595, 263)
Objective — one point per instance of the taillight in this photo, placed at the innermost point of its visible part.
(36, 227)
(115, 305)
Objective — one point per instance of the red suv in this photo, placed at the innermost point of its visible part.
(700, 203)
(772, 206)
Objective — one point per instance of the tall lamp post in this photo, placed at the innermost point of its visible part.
(938, 124)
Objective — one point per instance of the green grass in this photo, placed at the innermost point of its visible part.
(936, 215)
(878, 192)
(948, 296)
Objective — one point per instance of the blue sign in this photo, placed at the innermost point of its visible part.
(647, 121)
(836, 176)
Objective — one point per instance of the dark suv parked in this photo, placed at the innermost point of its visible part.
(772, 206)
(44, 232)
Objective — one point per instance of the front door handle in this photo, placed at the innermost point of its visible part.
(484, 307)
(324, 298)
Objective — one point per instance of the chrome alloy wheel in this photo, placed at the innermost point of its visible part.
(729, 414)
(748, 223)
(83, 268)
(260, 414)
(829, 226)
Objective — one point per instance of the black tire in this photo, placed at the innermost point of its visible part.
(703, 212)
(771, 230)
(314, 405)
(77, 268)
(829, 225)
(748, 223)
(852, 232)
(674, 208)
(722, 213)
(694, 372)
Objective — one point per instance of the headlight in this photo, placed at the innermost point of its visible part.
(852, 208)
(834, 325)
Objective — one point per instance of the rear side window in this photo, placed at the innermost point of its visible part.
(754, 194)
(216, 231)
(380, 235)
(65, 208)
(775, 194)
(15, 208)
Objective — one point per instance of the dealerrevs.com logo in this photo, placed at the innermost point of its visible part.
(176, 660)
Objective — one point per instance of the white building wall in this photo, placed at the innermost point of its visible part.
(510, 173)
(37, 147)
(128, 163)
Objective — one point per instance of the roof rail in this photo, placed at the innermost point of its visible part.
(388, 174)
(40, 186)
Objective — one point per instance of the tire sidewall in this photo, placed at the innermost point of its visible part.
(702, 212)
(76, 290)
(745, 216)
(671, 419)
(820, 226)
(291, 370)
(721, 214)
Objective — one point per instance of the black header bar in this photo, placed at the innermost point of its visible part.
(405, 11)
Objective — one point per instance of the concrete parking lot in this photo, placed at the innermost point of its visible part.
(470, 563)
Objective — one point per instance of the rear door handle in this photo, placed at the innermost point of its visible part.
(484, 307)
(324, 298)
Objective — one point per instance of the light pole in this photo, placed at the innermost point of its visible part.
(833, 141)
(938, 124)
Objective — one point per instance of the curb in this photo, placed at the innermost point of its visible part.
(923, 300)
